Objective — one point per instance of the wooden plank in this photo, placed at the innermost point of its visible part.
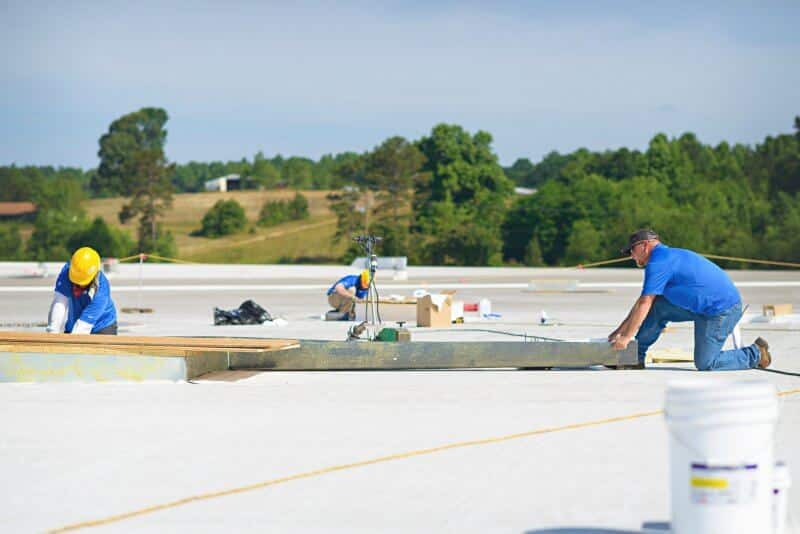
(130, 350)
(43, 339)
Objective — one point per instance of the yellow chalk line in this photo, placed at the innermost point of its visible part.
(343, 467)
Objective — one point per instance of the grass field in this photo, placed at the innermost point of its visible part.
(301, 241)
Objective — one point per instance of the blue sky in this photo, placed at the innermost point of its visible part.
(326, 77)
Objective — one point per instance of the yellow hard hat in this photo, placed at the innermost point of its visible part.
(365, 278)
(84, 266)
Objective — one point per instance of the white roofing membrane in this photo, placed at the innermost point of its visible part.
(425, 451)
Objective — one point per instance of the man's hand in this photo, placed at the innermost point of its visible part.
(620, 342)
(612, 337)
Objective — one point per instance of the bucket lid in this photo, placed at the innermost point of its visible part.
(697, 397)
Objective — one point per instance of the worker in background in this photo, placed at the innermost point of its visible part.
(343, 294)
(681, 286)
(82, 300)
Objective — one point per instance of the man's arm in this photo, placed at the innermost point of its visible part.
(57, 318)
(630, 326)
(341, 290)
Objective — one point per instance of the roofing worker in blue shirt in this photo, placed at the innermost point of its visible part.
(343, 294)
(681, 286)
(82, 301)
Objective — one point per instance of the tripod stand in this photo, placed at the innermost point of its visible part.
(372, 314)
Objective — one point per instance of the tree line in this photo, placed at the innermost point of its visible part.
(444, 199)
(459, 208)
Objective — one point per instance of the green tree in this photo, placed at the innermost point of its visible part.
(163, 245)
(349, 219)
(106, 240)
(264, 173)
(549, 168)
(16, 185)
(10, 242)
(51, 233)
(130, 134)
(584, 243)
(298, 207)
(274, 212)
(298, 172)
(62, 194)
(521, 172)
(390, 170)
(388, 173)
(151, 195)
(133, 164)
(782, 239)
(533, 253)
(224, 218)
(462, 198)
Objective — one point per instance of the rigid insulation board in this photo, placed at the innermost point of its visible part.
(340, 355)
(37, 357)
(52, 357)
(55, 367)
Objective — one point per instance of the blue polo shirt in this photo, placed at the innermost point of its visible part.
(348, 282)
(98, 309)
(689, 280)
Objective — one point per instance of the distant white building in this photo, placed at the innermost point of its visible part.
(231, 182)
(524, 191)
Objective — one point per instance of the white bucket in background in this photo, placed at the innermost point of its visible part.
(484, 307)
(721, 455)
(780, 495)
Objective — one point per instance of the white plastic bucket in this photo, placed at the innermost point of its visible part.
(484, 307)
(721, 455)
(781, 482)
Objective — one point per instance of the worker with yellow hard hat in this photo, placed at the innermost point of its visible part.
(343, 294)
(82, 300)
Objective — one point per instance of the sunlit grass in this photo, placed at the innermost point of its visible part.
(309, 240)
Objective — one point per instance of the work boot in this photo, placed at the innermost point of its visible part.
(763, 348)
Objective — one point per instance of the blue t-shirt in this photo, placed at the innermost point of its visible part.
(348, 282)
(98, 309)
(689, 280)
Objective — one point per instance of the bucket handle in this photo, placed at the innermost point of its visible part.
(694, 451)
(679, 438)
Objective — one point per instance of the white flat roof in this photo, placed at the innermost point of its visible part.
(422, 451)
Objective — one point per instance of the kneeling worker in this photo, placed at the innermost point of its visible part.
(82, 301)
(343, 294)
(683, 286)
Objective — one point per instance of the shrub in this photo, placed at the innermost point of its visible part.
(224, 218)
(274, 212)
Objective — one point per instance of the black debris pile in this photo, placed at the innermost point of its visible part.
(247, 313)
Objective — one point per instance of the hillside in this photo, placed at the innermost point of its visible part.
(309, 240)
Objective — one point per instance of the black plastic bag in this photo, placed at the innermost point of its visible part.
(247, 313)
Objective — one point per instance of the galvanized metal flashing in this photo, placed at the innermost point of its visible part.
(74, 362)
(339, 355)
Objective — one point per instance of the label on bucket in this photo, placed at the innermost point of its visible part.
(715, 484)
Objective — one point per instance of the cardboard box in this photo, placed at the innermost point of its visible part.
(391, 312)
(434, 310)
(774, 310)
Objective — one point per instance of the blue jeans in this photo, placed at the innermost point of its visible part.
(710, 334)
